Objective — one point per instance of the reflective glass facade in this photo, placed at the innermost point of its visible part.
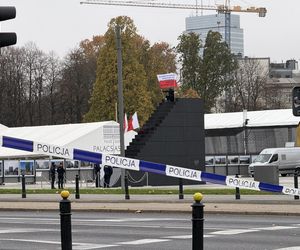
(202, 24)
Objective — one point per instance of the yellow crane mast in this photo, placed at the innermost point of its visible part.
(226, 9)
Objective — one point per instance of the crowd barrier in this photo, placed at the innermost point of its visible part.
(140, 165)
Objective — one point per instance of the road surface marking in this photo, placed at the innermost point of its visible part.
(234, 231)
(25, 230)
(179, 237)
(79, 246)
(274, 228)
(83, 246)
(289, 248)
(143, 241)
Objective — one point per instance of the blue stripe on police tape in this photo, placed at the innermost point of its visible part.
(270, 187)
(213, 178)
(16, 143)
(152, 167)
(83, 155)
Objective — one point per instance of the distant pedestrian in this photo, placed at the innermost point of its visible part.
(52, 175)
(60, 175)
(108, 171)
(97, 174)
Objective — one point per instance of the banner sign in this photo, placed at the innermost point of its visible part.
(140, 165)
(167, 80)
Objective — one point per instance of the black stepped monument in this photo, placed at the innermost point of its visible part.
(173, 135)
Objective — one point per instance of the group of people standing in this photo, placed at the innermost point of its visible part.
(108, 171)
(60, 175)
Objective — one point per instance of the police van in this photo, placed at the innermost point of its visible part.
(287, 159)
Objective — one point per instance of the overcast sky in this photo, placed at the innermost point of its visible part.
(59, 25)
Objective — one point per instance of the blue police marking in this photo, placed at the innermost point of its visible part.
(140, 165)
(16, 143)
(83, 155)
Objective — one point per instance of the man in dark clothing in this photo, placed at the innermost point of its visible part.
(108, 171)
(60, 175)
(52, 175)
(97, 174)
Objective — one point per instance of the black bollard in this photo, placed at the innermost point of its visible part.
(127, 196)
(197, 220)
(23, 186)
(296, 197)
(65, 221)
(77, 194)
(180, 190)
(237, 190)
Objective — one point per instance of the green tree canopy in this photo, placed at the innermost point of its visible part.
(209, 74)
(104, 96)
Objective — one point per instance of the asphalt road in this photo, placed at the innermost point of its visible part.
(150, 231)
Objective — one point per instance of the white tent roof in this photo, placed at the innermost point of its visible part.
(75, 134)
(54, 134)
(264, 118)
(61, 135)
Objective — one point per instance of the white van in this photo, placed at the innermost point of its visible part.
(287, 159)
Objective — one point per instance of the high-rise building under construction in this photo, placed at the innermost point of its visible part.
(216, 22)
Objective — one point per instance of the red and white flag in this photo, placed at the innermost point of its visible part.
(125, 125)
(167, 80)
(133, 122)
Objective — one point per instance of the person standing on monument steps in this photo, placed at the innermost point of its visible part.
(60, 175)
(108, 171)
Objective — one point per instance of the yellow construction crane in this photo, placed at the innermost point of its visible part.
(226, 9)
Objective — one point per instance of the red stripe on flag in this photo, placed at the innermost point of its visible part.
(167, 84)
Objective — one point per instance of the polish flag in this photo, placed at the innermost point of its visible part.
(133, 122)
(167, 80)
(125, 125)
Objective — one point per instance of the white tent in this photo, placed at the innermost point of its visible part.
(100, 137)
(263, 118)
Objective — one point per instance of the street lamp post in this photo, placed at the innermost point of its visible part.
(124, 177)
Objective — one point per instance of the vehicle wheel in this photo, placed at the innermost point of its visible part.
(283, 175)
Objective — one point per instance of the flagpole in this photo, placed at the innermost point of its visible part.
(124, 177)
(116, 111)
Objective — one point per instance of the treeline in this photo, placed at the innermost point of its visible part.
(39, 88)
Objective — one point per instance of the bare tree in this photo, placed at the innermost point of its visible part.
(249, 85)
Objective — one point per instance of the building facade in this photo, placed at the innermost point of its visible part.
(201, 25)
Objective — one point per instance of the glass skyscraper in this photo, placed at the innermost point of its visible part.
(202, 24)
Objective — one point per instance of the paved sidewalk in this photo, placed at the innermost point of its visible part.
(248, 204)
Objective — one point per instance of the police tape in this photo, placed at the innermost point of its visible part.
(141, 165)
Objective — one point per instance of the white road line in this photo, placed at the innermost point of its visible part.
(25, 230)
(82, 246)
(179, 237)
(275, 228)
(208, 236)
(234, 231)
(143, 241)
(34, 241)
(250, 230)
(79, 246)
(288, 248)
